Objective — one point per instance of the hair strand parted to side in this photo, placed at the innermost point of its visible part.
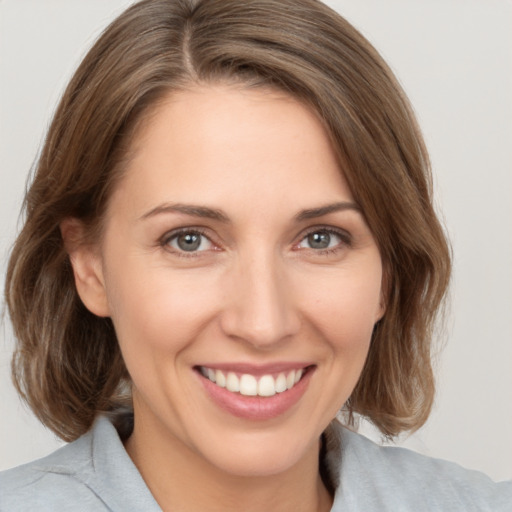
(67, 363)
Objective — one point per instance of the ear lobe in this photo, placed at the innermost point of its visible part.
(87, 266)
(384, 295)
(382, 309)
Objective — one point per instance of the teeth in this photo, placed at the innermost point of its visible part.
(281, 383)
(248, 385)
(290, 380)
(232, 383)
(266, 386)
(220, 379)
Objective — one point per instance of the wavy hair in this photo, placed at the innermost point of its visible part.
(67, 364)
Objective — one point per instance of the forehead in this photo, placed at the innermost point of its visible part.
(214, 143)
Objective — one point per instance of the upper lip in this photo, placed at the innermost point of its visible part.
(257, 369)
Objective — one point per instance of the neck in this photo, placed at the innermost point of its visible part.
(181, 479)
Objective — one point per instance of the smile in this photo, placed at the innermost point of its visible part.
(250, 385)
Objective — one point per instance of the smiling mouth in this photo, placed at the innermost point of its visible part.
(251, 385)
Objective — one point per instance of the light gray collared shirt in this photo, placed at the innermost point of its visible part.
(95, 473)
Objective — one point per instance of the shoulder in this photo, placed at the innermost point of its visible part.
(374, 477)
(93, 473)
(55, 482)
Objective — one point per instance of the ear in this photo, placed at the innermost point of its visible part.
(382, 308)
(87, 266)
(384, 294)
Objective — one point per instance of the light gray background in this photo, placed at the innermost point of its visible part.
(454, 58)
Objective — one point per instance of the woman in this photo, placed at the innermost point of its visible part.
(229, 238)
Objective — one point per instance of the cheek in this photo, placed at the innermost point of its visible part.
(157, 319)
(157, 310)
(162, 316)
(345, 306)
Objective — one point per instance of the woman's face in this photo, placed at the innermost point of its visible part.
(234, 252)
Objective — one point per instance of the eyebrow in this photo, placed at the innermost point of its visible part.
(188, 209)
(215, 214)
(313, 213)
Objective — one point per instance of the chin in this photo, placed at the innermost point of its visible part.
(261, 453)
(260, 461)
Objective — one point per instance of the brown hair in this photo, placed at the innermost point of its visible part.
(67, 364)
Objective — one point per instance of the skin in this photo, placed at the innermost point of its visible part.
(255, 291)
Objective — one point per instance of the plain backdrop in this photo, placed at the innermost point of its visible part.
(454, 59)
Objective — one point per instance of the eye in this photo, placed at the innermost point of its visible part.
(322, 239)
(188, 241)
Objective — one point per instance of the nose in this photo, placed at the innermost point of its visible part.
(260, 306)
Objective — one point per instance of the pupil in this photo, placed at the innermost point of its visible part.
(319, 240)
(189, 241)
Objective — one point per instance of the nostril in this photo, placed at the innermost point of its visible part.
(259, 328)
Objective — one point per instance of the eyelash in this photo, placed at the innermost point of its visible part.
(345, 237)
(168, 237)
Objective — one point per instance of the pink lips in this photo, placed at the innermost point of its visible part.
(257, 408)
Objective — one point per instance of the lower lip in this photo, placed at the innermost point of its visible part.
(257, 408)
